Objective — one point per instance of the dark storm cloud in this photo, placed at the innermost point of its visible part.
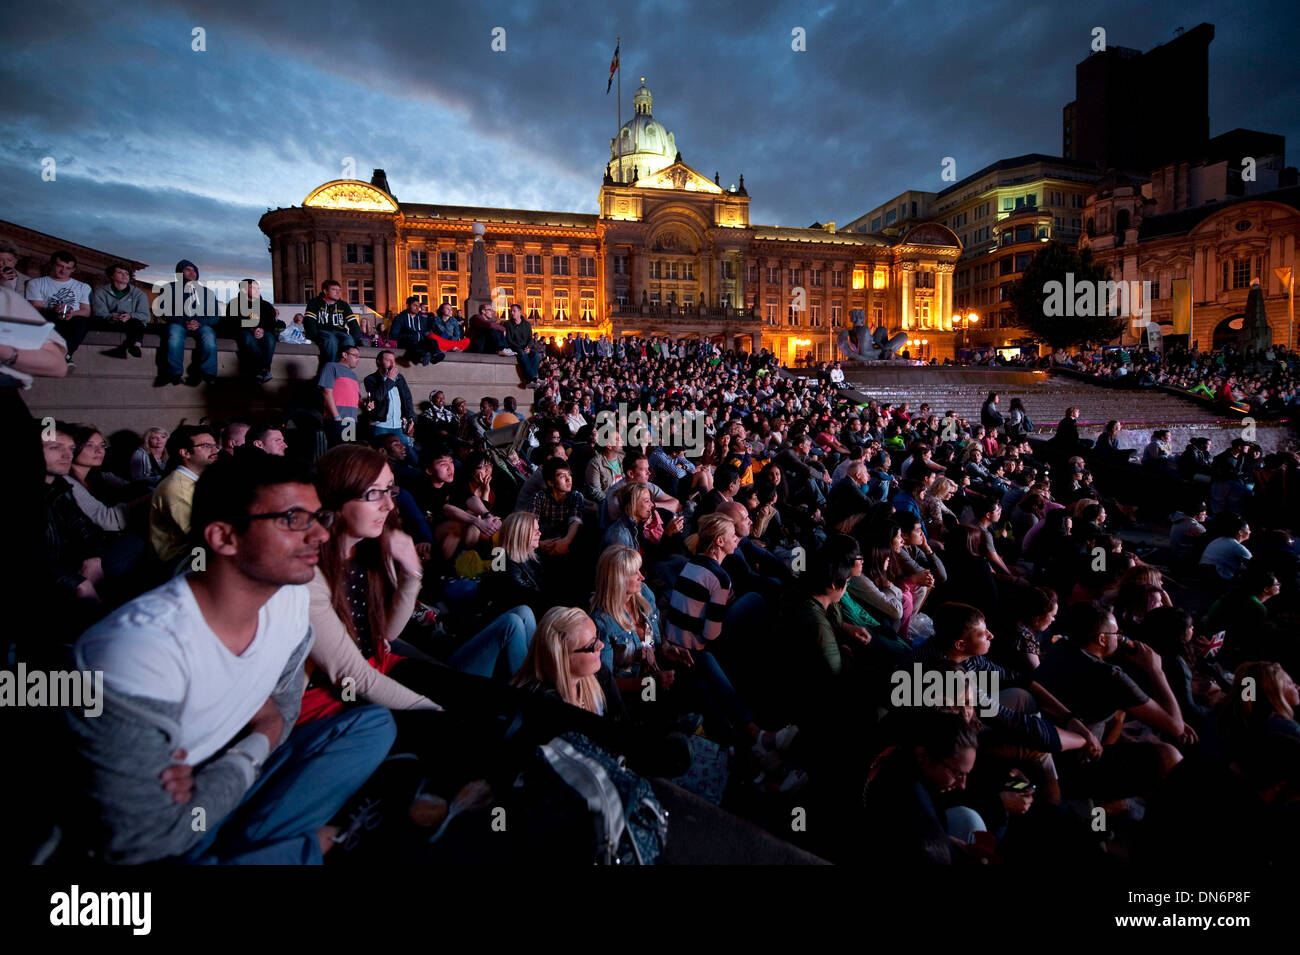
(160, 147)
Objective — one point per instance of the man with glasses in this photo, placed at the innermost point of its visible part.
(193, 449)
(195, 757)
(1083, 675)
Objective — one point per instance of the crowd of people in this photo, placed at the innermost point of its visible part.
(777, 566)
(1266, 384)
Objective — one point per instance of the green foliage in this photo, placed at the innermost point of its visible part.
(1028, 297)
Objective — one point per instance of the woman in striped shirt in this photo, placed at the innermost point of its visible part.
(697, 610)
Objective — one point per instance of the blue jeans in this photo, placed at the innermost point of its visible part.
(331, 341)
(256, 352)
(505, 640)
(528, 363)
(205, 350)
(305, 781)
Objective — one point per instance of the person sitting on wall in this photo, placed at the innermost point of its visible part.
(411, 331)
(446, 330)
(330, 323)
(121, 306)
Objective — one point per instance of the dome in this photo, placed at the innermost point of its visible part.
(644, 144)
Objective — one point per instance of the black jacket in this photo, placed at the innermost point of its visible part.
(408, 329)
(380, 387)
(238, 306)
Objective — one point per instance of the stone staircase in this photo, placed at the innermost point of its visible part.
(1045, 398)
(117, 393)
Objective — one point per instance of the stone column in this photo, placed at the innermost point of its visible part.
(909, 280)
(382, 303)
(947, 302)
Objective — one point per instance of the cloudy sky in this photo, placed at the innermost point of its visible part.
(163, 152)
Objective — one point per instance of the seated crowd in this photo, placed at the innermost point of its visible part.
(1265, 384)
(933, 631)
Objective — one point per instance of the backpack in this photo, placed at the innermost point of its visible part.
(580, 805)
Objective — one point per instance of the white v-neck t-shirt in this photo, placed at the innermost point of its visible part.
(160, 647)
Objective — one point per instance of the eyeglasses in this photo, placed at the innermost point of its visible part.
(297, 519)
(592, 647)
(205, 446)
(377, 493)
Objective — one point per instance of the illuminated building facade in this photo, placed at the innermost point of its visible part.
(670, 252)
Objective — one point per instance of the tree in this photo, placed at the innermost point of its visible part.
(1042, 301)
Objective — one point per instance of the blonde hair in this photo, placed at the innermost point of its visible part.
(550, 655)
(613, 571)
(941, 487)
(1077, 507)
(1268, 678)
(709, 532)
(516, 535)
(626, 493)
(1143, 575)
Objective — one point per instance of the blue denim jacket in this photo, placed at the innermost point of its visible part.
(619, 655)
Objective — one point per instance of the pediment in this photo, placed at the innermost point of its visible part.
(681, 177)
(352, 195)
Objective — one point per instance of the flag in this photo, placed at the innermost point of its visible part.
(1182, 296)
(613, 68)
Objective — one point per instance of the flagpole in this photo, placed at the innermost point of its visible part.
(618, 49)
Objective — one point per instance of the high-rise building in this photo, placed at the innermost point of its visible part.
(1135, 110)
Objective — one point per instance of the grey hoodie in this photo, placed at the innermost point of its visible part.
(122, 752)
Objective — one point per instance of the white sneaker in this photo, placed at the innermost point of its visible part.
(506, 353)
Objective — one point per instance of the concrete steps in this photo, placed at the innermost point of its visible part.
(115, 393)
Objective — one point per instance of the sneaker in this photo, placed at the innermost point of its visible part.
(163, 380)
(134, 350)
(264, 377)
(423, 615)
(506, 353)
(118, 352)
(425, 359)
(437, 357)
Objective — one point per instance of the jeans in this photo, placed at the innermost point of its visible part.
(331, 341)
(73, 329)
(204, 361)
(505, 640)
(305, 781)
(256, 352)
(487, 341)
(710, 692)
(417, 348)
(528, 363)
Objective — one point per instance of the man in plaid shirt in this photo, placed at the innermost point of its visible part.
(558, 508)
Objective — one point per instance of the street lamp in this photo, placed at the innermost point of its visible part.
(967, 320)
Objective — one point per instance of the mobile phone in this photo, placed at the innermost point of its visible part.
(1022, 786)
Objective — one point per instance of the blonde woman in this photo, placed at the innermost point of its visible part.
(1260, 726)
(700, 610)
(523, 580)
(628, 622)
(149, 462)
(564, 661)
(934, 507)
